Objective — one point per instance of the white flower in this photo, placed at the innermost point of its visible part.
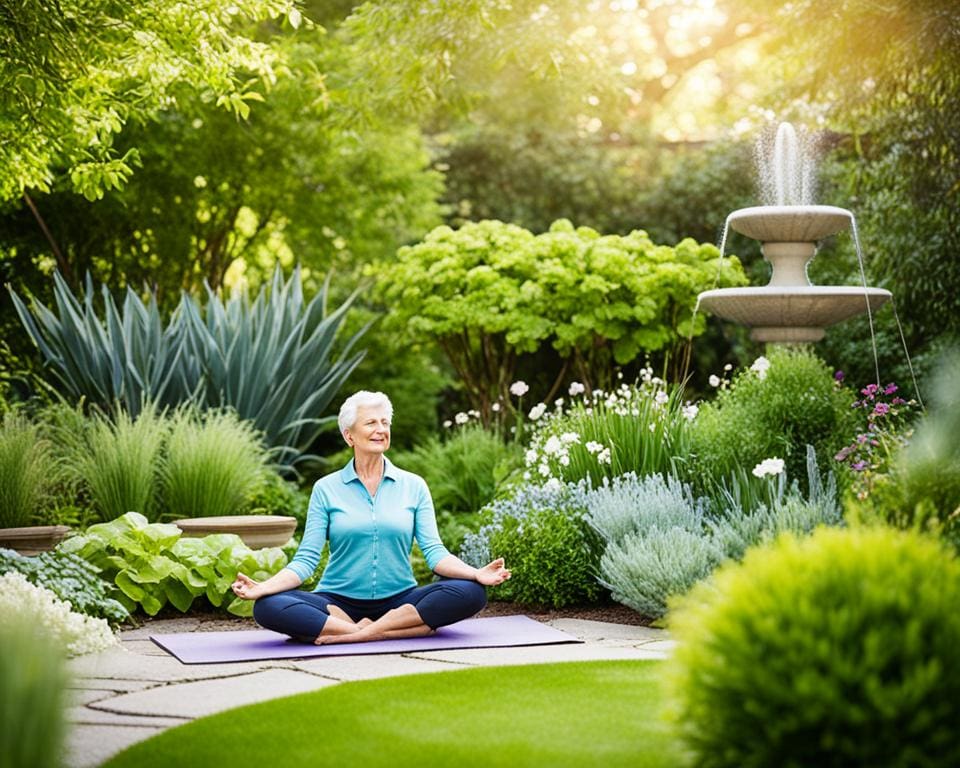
(77, 633)
(728, 367)
(553, 446)
(594, 447)
(558, 403)
(772, 466)
(652, 426)
(760, 366)
(461, 418)
(552, 484)
(447, 424)
(619, 374)
(661, 397)
(690, 412)
(474, 414)
(519, 388)
(714, 380)
(544, 470)
(531, 457)
(604, 456)
(564, 460)
(526, 475)
(570, 437)
(576, 388)
(495, 407)
(537, 411)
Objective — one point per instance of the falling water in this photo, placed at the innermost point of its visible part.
(786, 163)
(896, 316)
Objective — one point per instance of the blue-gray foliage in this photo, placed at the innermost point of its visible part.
(273, 359)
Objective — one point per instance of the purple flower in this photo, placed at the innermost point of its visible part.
(862, 439)
(870, 390)
(890, 389)
(838, 376)
(881, 409)
(898, 401)
(859, 466)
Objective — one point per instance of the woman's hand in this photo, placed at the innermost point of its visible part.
(492, 573)
(246, 588)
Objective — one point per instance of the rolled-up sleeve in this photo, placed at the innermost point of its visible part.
(307, 559)
(425, 528)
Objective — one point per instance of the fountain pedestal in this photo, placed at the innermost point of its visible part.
(789, 309)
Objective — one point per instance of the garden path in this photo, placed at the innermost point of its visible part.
(127, 694)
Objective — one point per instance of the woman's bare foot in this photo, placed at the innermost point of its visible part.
(364, 623)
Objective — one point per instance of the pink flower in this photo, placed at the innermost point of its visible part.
(890, 389)
(881, 409)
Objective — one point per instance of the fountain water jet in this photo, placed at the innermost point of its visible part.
(790, 309)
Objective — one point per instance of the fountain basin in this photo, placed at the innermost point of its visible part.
(789, 223)
(797, 315)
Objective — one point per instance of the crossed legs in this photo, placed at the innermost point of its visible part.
(322, 617)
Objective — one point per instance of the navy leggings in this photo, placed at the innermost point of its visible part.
(302, 614)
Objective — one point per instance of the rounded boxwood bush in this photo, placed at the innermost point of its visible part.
(840, 649)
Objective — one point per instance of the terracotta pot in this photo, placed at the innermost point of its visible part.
(257, 531)
(33, 539)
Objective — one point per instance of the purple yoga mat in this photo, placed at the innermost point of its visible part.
(258, 644)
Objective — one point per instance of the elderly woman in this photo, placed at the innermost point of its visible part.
(370, 511)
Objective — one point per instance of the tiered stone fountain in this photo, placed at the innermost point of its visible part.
(790, 309)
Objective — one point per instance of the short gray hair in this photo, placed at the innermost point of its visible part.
(362, 399)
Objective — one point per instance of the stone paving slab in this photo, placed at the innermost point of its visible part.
(110, 684)
(89, 746)
(540, 654)
(91, 716)
(372, 666)
(606, 633)
(205, 697)
(119, 663)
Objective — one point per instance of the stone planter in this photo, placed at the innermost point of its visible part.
(33, 539)
(257, 531)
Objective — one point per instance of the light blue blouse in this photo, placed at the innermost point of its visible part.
(370, 538)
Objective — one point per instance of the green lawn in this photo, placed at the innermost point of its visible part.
(573, 714)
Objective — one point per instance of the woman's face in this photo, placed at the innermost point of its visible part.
(371, 431)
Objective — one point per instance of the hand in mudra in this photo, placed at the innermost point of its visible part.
(246, 588)
(493, 573)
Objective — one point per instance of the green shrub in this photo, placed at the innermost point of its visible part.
(32, 697)
(465, 471)
(839, 649)
(277, 496)
(794, 404)
(550, 558)
(119, 464)
(70, 578)
(28, 471)
(547, 545)
(214, 464)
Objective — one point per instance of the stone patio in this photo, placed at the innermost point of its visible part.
(127, 694)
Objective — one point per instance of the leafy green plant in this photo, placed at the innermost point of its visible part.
(838, 649)
(33, 683)
(28, 471)
(491, 291)
(69, 577)
(774, 409)
(213, 464)
(120, 463)
(152, 565)
(464, 471)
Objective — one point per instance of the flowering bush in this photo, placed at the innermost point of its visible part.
(640, 428)
(78, 634)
